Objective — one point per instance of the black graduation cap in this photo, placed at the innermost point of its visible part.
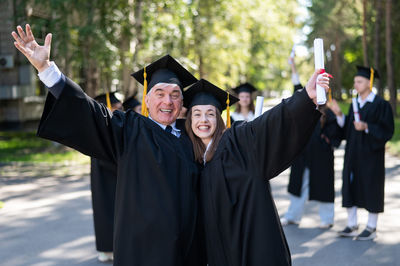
(245, 87)
(165, 70)
(367, 72)
(204, 92)
(102, 98)
(130, 103)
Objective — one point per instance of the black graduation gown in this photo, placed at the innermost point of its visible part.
(241, 222)
(318, 157)
(365, 156)
(156, 199)
(103, 183)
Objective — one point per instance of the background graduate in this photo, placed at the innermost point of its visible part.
(156, 198)
(132, 103)
(103, 182)
(312, 174)
(245, 107)
(364, 160)
(241, 223)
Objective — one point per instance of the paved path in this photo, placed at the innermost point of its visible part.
(47, 215)
(310, 245)
(47, 220)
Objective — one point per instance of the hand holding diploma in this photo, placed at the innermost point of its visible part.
(319, 79)
(319, 64)
(360, 126)
(355, 110)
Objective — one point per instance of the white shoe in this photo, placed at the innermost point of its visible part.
(367, 234)
(105, 256)
(285, 222)
(349, 231)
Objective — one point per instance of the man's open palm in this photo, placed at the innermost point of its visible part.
(39, 56)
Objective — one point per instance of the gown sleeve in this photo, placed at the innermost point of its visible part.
(332, 130)
(382, 130)
(274, 139)
(76, 120)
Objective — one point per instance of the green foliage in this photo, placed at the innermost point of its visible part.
(23, 147)
(225, 41)
(394, 143)
(339, 23)
(98, 43)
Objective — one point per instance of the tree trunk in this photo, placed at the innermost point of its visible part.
(389, 55)
(131, 42)
(364, 39)
(337, 73)
(377, 43)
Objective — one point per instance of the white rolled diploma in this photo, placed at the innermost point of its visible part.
(259, 106)
(355, 110)
(319, 64)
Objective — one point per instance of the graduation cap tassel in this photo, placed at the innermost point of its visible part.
(108, 101)
(330, 95)
(228, 115)
(145, 112)
(371, 80)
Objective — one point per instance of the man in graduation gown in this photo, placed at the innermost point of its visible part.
(156, 203)
(103, 183)
(364, 161)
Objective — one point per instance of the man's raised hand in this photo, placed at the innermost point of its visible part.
(38, 56)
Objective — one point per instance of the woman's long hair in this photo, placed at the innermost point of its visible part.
(323, 117)
(198, 146)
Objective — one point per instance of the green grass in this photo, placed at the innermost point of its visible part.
(26, 147)
(344, 106)
(394, 143)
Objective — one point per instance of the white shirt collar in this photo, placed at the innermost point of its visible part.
(205, 153)
(370, 98)
(240, 116)
(173, 125)
(175, 131)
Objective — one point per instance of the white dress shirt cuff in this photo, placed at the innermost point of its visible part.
(51, 75)
(341, 120)
(295, 79)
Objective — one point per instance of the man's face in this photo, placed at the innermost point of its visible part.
(164, 102)
(361, 84)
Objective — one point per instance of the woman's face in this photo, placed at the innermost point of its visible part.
(204, 122)
(245, 98)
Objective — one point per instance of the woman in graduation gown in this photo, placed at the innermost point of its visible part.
(312, 173)
(156, 197)
(245, 107)
(240, 219)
